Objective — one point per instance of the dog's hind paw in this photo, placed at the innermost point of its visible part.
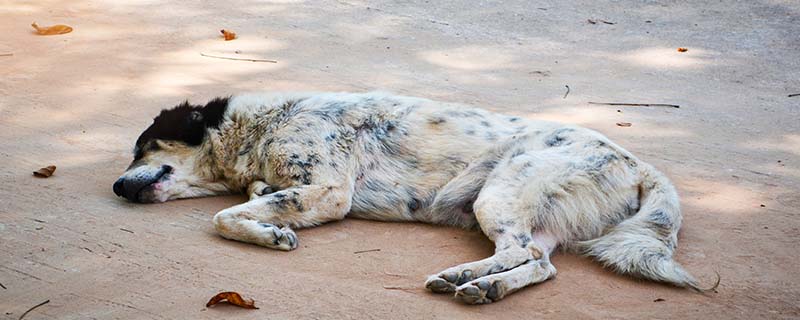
(438, 285)
(480, 291)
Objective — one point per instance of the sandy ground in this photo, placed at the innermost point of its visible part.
(79, 101)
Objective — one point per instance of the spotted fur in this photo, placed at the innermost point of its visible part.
(309, 158)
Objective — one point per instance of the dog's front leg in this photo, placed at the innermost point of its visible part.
(267, 220)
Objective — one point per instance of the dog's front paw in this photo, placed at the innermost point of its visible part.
(278, 238)
(258, 189)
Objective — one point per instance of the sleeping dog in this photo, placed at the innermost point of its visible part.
(309, 158)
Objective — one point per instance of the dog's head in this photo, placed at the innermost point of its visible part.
(168, 161)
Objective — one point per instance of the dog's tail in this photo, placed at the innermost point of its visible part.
(643, 244)
(453, 203)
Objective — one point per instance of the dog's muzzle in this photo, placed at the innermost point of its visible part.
(131, 187)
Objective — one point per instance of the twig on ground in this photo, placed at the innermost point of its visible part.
(636, 104)
(39, 221)
(4, 287)
(363, 251)
(566, 93)
(34, 307)
(126, 230)
(394, 274)
(238, 59)
(399, 288)
(598, 20)
(6, 54)
(794, 95)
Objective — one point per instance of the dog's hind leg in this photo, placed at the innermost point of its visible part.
(512, 237)
(495, 286)
(449, 279)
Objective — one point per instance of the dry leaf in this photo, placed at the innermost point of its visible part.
(51, 30)
(232, 298)
(45, 172)
(624, 124)
(229, 35)
(682, 49)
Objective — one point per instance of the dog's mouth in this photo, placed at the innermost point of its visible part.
(146, 194)
(143, 189)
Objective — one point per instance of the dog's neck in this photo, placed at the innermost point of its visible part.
(236, 161)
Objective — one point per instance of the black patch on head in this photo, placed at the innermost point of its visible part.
(185, 123)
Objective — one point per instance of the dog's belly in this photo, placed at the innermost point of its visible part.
(432, 145)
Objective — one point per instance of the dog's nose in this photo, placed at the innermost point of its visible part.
(119, 187)
(166, 168)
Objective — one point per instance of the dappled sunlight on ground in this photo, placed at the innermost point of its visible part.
(722, 198)
(186, 68)
(471, 58)
(667, 58)
(6, 7)
(789, 143)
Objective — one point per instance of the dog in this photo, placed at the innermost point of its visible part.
(306, 159)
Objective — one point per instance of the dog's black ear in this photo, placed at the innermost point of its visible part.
(214, 112)
(185, 122)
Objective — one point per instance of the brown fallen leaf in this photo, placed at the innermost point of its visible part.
(232, 298)
(51, 30)
(682, 49)
(624, 124)
(45, 172)
(229, 35)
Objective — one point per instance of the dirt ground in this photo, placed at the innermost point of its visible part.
(80, 100)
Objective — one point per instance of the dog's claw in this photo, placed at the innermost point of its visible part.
(281, 238)
(480, 292)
